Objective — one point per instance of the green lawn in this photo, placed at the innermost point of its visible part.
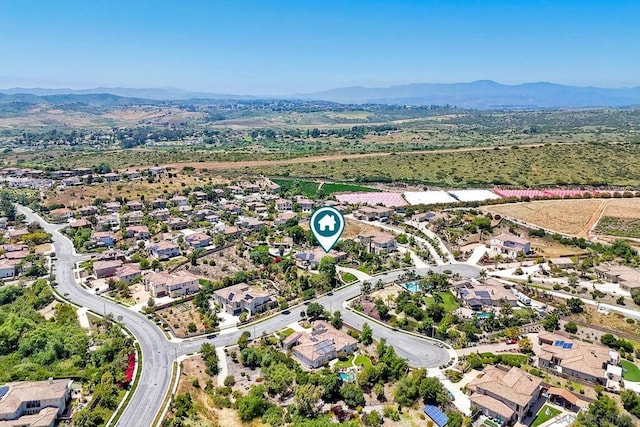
(630, 372)
(545, 414)
(364, 268)
(347, 363)
(362, 360)
(285, 333)
(450, 303)
(348, 277)
(334, 187)
(308, 188)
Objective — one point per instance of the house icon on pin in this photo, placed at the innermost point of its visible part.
(327, 223)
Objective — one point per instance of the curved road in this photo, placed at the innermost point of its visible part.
(158, 353)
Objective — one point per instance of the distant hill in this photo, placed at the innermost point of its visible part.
(482, 94)
(485, 94)
(167, 94)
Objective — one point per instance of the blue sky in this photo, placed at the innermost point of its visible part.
(285, 47)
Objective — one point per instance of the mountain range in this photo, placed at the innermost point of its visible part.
(482, 94)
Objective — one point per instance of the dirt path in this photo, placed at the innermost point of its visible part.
(316, 159)
(595, 217)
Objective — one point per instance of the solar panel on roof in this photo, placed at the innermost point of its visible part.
(567, 345)
(3, 391)
(558, 343)
(436, 415)
(231, 295)
(482, 294)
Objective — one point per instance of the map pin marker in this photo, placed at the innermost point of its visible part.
(327, 225)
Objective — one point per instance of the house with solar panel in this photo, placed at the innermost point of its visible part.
(477, 296)
(577, 359)
(437, 416)
(34, 403)
(241, 298)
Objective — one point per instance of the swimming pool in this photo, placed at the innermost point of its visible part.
(347, 376)
(482, 315)
(411, 286)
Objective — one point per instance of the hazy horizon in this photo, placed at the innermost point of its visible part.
(286, 47)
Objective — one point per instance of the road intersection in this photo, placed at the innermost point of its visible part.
(158, 353)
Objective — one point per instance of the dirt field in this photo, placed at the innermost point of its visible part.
(226, 263)
(574, 217)
(74, 197)
(181, 315)
(551, 249)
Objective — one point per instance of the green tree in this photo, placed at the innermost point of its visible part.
(571, 327)
(252, 405)
(327, 268)
(210, 357)
(366, 337)
(352, 395)
(551, 323)
(336, 319)
(307, 400)
(575, 305)
(243, 341)
(315, 310)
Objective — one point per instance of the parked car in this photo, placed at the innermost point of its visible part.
(511, 341)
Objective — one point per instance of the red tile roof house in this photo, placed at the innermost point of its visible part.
(284, 217)
(80, 223)
(177, 223)
(242, 298)
(180, 201)
(198, 240)
(107, 222)
(140, 232)
(103, 238)
(16, 234)
(284, 205)
(158, 203)
(88, 210)
(165, 250)
(319, 347)
(113, 207)
(106, 268)
(378, 242)
(134, 217)
(505, 395)
(61, 214)
(7, 268)
(176, 284)
(510, 245)
(128, 273)
(135, 205)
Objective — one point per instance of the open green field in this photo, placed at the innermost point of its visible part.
(308, 188)
(545, 414)
(631, 372)
(311, 188)
(449, 301)
(550, 164)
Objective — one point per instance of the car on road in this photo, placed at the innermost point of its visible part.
(451, 396)
(66, 294)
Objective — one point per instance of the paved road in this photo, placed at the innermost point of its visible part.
(158, 353)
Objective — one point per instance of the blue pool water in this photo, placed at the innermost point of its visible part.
(411, 286)
(347, 376)
(482, 315)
